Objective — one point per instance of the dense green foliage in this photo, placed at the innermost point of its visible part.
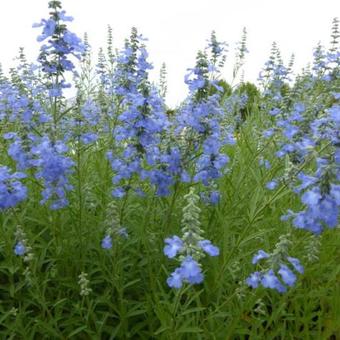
(66, 286)
(129, 297)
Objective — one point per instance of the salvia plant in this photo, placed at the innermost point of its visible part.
(98, 175)
(191, 247)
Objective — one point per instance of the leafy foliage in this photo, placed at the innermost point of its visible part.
(91, 188)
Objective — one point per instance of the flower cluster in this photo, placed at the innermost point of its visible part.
(199, 120)
(112, 225)
(321, 198)
(22, 247)
(12, 191)
(120, 113)
(61, 43)
(37, 143)
(319, 190)
(278, 262)
(48, 160)
(20, 149)
(53, 168)
(307, 131)
(18, 107)
(84, 283)
(191, 247)
(84, 125)
(141, 122)
(274, 77)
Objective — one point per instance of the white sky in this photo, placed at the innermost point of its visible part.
(176, 29)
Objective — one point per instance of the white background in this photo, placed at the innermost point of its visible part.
(176, 29)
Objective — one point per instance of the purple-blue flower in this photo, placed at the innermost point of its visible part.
(270, 280)
(49, 27)
(311, 197)
(53, 169)
(287, 275)
(20, 249)
(107, 242)
(215, 197)
(191, 271)
(175, 280)
(174, 245)
(296, 264)
(209, 248)
(12, 191)
(254, 279)
(271, 185)
(88, 137)
(259, 256)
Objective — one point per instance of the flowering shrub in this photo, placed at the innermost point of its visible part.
(192, 246)
(91, 188)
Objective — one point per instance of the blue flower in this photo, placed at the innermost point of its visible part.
(118, 192)
(215, 197)
(174, 245)
(275, 111)
(209, 248)
(20, 249)
(91, 112)
(259, 256)
(194, 80)
(311, 197)
(254, 279)
(335, 193)
(287, 275)
(55, 91)
(191, 271)
(48, 30)
(75, 43)
(64, 17)
(334, 113)
(271, 185)
(88, 137)
(290, 131)
(299, 107)
(306, 181)
(265, 163)
(12, 191)
(268, 133)
(176, 279)
(296, 264)
(270, 280)
(107, 242)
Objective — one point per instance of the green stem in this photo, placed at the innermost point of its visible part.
(171, 206)
(80, 201)
(122, 210)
